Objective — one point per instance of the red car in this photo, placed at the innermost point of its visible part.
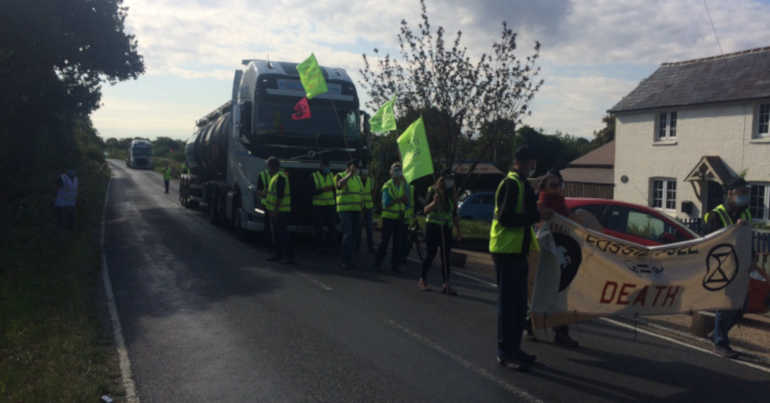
(647, 226)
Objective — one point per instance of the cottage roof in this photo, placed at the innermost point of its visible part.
(730, 77)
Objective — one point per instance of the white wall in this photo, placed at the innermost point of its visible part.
(721, 130)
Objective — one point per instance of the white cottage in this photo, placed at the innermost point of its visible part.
(690, 127)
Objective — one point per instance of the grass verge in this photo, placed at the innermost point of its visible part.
(55, 342)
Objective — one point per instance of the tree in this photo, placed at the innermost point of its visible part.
(467, 95)
(607, 133)
(54, 55)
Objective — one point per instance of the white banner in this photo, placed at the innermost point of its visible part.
(583, 274)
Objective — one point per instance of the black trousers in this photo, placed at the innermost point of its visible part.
(165, 184)
(395, 229)
(281, 238)
(511, 302)
(325, 216)
(432, 244)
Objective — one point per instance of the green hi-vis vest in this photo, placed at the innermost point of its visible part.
(167, 174)
(409, 213)
(437, 216)
(322, 181)
(721, 211)
(284, 205)
(264, 179)
(396, 209)
(509, 239)
(349, 197)
(366, 194)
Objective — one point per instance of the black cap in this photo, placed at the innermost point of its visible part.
(353, 161)
(524, 154)
(555, 172)
(736, 183)
(273, 162)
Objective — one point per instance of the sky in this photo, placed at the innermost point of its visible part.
(593, 51)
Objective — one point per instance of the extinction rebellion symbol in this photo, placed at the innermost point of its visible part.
(721, 267)
(570, 257)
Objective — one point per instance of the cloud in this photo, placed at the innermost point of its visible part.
(206, 39)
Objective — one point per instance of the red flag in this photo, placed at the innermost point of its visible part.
(301, 110)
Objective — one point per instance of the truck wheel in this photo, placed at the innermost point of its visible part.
(213, 211)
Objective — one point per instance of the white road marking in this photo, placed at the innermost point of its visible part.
(314, 281)
(519, 393)
(643, 331)
(125, 362)
(681, 343)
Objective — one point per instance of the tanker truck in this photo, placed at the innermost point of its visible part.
(230, 145)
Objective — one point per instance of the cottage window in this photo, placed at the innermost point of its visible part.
(666, 126)
(759, 201)
(663, 193)
(763, 119)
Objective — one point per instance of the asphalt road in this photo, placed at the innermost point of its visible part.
(205, 318)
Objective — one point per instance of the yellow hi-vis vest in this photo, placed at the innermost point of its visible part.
(349, 197)
(396, 209)
(321, 181)
(409, 213)
(510, 239)
(441, 217)
(284, 205)
(366, 195)
(721, 211)
(264, 179)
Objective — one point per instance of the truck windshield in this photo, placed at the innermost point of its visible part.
(329, 119)
(141, 151)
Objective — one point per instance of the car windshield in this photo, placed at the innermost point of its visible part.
(143, 151)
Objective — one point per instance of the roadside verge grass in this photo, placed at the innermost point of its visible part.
(55, 341)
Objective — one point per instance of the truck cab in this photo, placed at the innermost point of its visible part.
(258, 124)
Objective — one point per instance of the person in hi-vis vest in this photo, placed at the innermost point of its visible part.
(510, 238)
(440, 218)
(368, 209)
(395, 201)
(278, 206)
(263, 181)
(324, 210)
(349, 189)
(735, 210)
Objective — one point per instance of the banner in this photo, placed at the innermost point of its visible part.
(415, 152)
(584, 274)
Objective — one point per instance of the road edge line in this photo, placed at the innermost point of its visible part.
(117, 330)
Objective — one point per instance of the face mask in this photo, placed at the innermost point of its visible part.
(449, 184)
(532, 172)
(325, 170)
(742, 201)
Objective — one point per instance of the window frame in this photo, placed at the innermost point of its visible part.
(665, 200)
(666, 126)
(766, 202)
(757, 135)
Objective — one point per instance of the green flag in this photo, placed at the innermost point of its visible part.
(312, 77)
(384, 121)
(415, 152)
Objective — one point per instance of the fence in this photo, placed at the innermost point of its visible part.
(760, 240)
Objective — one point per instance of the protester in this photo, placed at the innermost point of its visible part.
(324, 212)
(368, 210)
(167, 177)
(441, 216)
(66, 199)
(278, 205)
(263, 181)
(551, 196)
(394, 204)
(735, 210)
(349, 189)
(511, 236)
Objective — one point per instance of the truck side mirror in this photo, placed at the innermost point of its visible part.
(245, 123)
